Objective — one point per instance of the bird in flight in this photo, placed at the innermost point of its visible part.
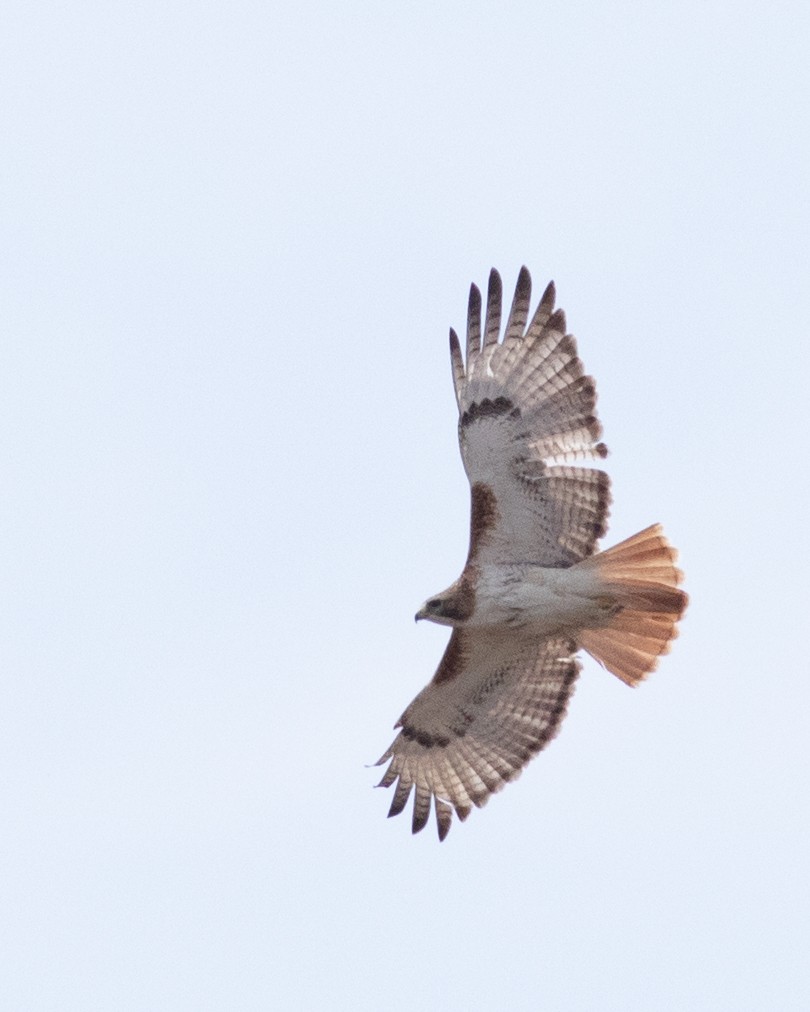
(532, 592)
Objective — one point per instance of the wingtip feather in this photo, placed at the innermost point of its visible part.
(492, 325)
(473, 323)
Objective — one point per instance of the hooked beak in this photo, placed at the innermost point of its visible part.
(419, 614)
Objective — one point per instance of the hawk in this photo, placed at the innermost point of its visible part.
(532, 592)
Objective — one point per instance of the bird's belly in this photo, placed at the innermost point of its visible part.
(544, 601)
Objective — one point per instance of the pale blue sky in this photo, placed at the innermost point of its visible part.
(234, 238)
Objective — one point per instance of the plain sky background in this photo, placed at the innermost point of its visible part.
(234, 236)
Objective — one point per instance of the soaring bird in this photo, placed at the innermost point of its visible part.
(532, 592)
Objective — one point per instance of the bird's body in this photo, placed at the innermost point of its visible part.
(531, 593)
(534, 599)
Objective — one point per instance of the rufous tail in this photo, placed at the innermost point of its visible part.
(641, 576)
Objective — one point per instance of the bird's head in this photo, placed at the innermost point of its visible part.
(434, 610)
(452, 607)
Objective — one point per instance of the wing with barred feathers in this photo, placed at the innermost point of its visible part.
(495, 701)
(526, 411)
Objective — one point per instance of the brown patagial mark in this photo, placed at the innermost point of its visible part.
(483, 516)
(453, 661)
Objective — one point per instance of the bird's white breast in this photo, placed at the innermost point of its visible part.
(548, 601)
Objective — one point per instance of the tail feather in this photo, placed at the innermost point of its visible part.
(641, 577)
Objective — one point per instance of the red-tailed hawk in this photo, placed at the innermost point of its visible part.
(532, 593)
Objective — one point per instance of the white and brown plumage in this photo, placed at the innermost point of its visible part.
(532, 593)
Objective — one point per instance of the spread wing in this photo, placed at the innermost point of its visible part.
(526, 410)
(495, 701)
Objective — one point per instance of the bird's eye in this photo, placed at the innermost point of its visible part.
(435, 604)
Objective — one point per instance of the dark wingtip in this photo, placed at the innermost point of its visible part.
(399, 802)
(557, 321)
(549, 295)
(444, 819)
(420, 819)
(495, 286)
(524, 281)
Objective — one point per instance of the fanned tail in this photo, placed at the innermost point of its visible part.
(641, 576)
